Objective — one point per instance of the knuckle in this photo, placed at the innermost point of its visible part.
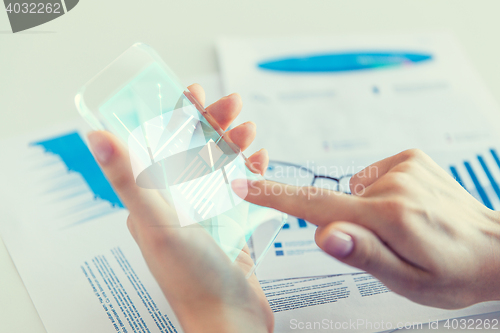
(369, 256)
(131, 227)
(122, 181)
(395, 210)
(416, 285)
(397, 181)
(405, 167)
(130, 221)
(157, 243)
(312, 191)
(353, 182)
(148, 236)
(354, 179)
(309, 194)
(359, 190)
(154, 240)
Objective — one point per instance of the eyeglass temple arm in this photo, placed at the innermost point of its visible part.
(327, 177)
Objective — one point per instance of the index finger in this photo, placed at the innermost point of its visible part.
(314, 204)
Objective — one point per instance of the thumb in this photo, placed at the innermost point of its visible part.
(114, 160)
(359, 247)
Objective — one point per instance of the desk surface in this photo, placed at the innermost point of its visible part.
(42, 68)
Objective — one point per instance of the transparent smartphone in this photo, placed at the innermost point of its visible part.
(177, 148)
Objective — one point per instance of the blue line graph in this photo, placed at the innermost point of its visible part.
(74, 154)
(77, 157)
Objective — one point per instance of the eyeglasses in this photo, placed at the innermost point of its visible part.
(294, 174)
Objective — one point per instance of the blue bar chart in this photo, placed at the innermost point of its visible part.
(294, 225)
(480, 176)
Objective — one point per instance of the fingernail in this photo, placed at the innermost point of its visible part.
(240, 187)
(100, 146)
(251, 123)
(338, 244)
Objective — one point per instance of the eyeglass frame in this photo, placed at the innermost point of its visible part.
(315, 175)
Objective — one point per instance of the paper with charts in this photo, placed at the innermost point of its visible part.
(315, 98)
(344, 102)
(65, 229)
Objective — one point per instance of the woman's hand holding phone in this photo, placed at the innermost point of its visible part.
(207, 292)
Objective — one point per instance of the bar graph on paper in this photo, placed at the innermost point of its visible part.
(479, 174)
(296, 238)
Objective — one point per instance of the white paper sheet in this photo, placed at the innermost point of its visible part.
(67, 236)
(440, 103)
(351, 303)
(295, 254)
